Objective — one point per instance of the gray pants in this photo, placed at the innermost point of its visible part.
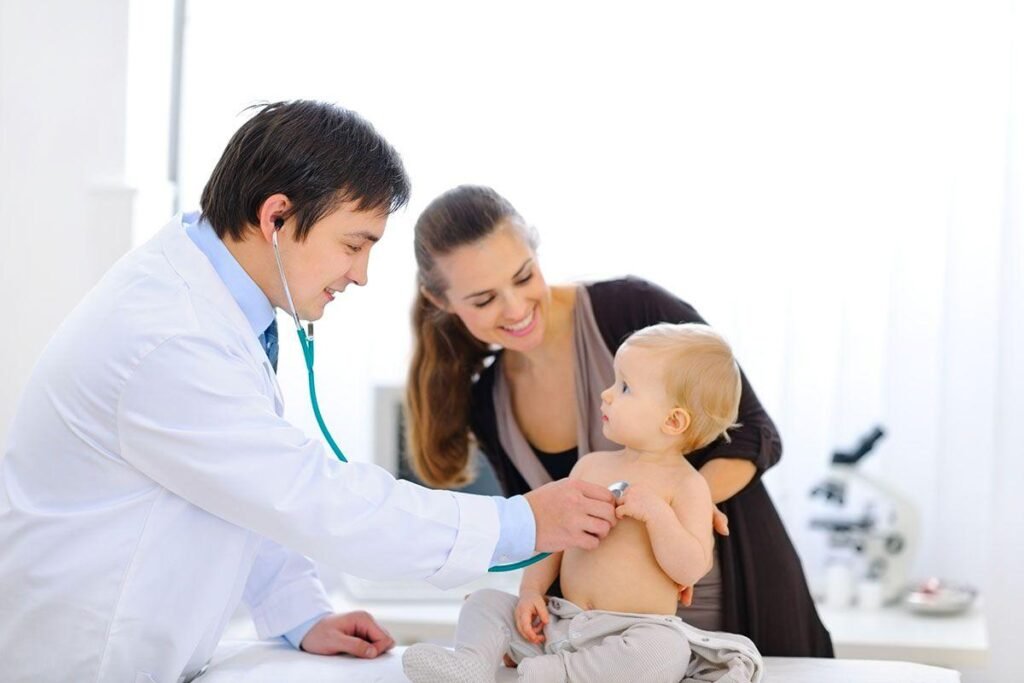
(584, 646)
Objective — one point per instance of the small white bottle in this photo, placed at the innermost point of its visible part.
(869, 594)
(838, 584)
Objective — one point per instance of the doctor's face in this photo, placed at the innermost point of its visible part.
(496, 288)
(335, 254)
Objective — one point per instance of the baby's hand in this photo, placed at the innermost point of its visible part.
(532, 616)
(640, 503)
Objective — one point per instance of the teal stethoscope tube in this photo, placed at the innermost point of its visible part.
(306, 342)
(307, 350)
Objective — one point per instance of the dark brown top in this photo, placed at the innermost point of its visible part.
(765, 594)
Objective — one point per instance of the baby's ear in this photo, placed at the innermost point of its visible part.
(677, 422)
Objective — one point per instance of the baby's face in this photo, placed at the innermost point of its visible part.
(634, 409)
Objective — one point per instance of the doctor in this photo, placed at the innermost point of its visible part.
(150, 483)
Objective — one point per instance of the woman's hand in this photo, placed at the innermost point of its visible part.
(532, 616)
(720, 521)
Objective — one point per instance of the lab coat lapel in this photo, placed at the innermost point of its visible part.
(193, 266)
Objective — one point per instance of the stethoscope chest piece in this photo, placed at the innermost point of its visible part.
(618, 489)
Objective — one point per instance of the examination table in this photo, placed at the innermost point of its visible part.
(277, 662)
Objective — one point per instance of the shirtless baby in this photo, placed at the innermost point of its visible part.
(677, 388)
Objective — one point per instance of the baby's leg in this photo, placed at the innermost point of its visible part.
(646, 651)
(486, 626)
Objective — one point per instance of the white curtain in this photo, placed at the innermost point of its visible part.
(838, 188)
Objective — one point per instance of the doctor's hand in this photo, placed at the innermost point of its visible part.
(354, 633)
(571, 513)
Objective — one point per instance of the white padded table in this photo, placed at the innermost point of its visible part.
(277, 662)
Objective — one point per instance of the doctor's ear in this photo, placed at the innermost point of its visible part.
(677, 422)
(272, 214)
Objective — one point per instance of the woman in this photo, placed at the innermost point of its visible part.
(535, 408)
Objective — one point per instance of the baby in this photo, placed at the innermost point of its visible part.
(677, 388)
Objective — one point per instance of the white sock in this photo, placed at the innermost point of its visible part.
(427, 663)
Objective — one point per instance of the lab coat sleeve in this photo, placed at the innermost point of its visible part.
(196, 418)
(283, 590)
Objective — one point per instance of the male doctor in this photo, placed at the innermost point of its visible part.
(150, 483)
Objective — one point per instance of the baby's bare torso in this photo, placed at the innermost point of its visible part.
(622, 574)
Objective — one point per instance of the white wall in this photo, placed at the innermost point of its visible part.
(64, 203)
(1006, 552)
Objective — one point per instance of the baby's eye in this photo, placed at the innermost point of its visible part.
(625, 388)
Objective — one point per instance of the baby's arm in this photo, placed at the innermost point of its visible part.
(680, 532)
(538, 577)
(531, 610)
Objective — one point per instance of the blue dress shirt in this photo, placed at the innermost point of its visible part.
(518, 531)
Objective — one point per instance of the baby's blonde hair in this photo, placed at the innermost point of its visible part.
(701, 375)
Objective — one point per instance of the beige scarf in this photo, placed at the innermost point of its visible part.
(593, 374)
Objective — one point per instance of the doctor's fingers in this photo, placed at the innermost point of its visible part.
(584, 540)
(368, 629)
(595, 526)
(384, 643)
(357, 647)
(595, 491)
(599, 510)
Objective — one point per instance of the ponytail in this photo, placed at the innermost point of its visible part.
(445, 359)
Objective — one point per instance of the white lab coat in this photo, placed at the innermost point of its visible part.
(150, 483)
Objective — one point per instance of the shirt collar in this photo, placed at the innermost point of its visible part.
(246, 293)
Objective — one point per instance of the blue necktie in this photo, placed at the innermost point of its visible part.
(269, 341)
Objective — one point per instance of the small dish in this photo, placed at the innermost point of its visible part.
(939, 598)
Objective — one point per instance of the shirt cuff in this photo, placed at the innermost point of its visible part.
(296, 635)
(518, 530)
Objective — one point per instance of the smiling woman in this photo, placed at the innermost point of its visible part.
(511, 308)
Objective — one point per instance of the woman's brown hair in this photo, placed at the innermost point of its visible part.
(446, 357)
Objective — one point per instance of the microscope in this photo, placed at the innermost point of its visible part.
(872, 528)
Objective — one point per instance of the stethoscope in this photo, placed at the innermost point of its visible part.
(306, 342)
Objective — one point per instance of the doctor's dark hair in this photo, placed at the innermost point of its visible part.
(317, 154)
(446, 357)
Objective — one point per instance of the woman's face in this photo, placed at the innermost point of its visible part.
(496, 288)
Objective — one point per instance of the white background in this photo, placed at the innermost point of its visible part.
(837, 188)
